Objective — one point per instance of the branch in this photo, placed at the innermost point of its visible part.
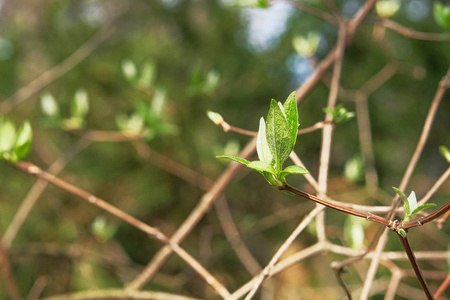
(410, 33)
(416, 268)
(32, 169)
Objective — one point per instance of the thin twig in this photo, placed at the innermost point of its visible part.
(413, 34)
(59, 70)
(37, 189)
(268, 269)
(194, 217)
(416, 267)
(443, 86)
(7, 273)
(442, 287)
(32, 169)
(233, 236)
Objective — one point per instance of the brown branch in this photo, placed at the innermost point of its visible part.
(194, 217)
(32, 169)
(314, 12)
(410, 33)
(429, 218)
(7, 273)
(59, 70)
(416, 267)
(442, 287)
(106, 294)
(368, 216)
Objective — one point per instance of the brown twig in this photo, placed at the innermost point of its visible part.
(410, 33)
(59, 70)
(7, 273)
(37, 189)
(314, 12)
(442, 287)
(443, 86)
(195, 216)
(32, 169)
(416, 267)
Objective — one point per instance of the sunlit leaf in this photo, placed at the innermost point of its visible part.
(442, 14)
(262, 147)
(22, 144)
(445, 153)
(234, 158)
(7, 135)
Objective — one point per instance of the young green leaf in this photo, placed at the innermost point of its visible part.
(80, 104)
(422, 207)
(237, 159)
(405, 202)
(7, 135)
(22, 144)
(291, 112)
(262, 147)
(445, 153)
(261, 166)
(215, 117)
(278, 135)
(442, 14)
(293, 170)
(49, 106)
(129, 69)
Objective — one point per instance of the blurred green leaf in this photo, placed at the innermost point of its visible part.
(7, 135)
(22, 144)
(445, 153)
(49, 106)
(387, 8)
(441, 14)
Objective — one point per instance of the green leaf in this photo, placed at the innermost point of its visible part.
(354, 169)
(22, 144)
(261, 166)
(278, 135)
(405, 202)
(291, 111)
(445, 153)
(262, 147)
(237, 159)
(215, 117)
(293, 170)
(402, 232)
(129, 69)
(80, 104)
(442, 14)
(49, 106)
(147, 75)
(7, 135)
(422, 207)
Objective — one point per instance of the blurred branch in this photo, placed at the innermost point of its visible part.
(416, 267)
(118, 294)
(442, 287)
(37, 189)
(49, 76)
(32, 169)
(443, 86)
(410, 33)
(313, 11)
(7, 273)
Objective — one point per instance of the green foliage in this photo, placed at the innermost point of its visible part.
(275, 141)
(340, 114)
(387, 8)
(441, 14)
(445, 153)
(14, 144)
(306, 46)
(410, 204)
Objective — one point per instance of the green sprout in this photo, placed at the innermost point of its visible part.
(275, 141)
(410, 205)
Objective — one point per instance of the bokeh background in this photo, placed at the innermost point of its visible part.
(190, 57)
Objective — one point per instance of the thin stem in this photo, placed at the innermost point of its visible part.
(410, 33)
(32, 169)
(368, 216)
(267, 270)
(195, 216)
(443, 85)
(442, 287)
(37, 189)
(415, 266)
(428, 218)
(7, 273)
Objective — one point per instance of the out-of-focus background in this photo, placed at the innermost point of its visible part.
(159, 66)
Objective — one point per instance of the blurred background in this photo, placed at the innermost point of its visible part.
(155, 68)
